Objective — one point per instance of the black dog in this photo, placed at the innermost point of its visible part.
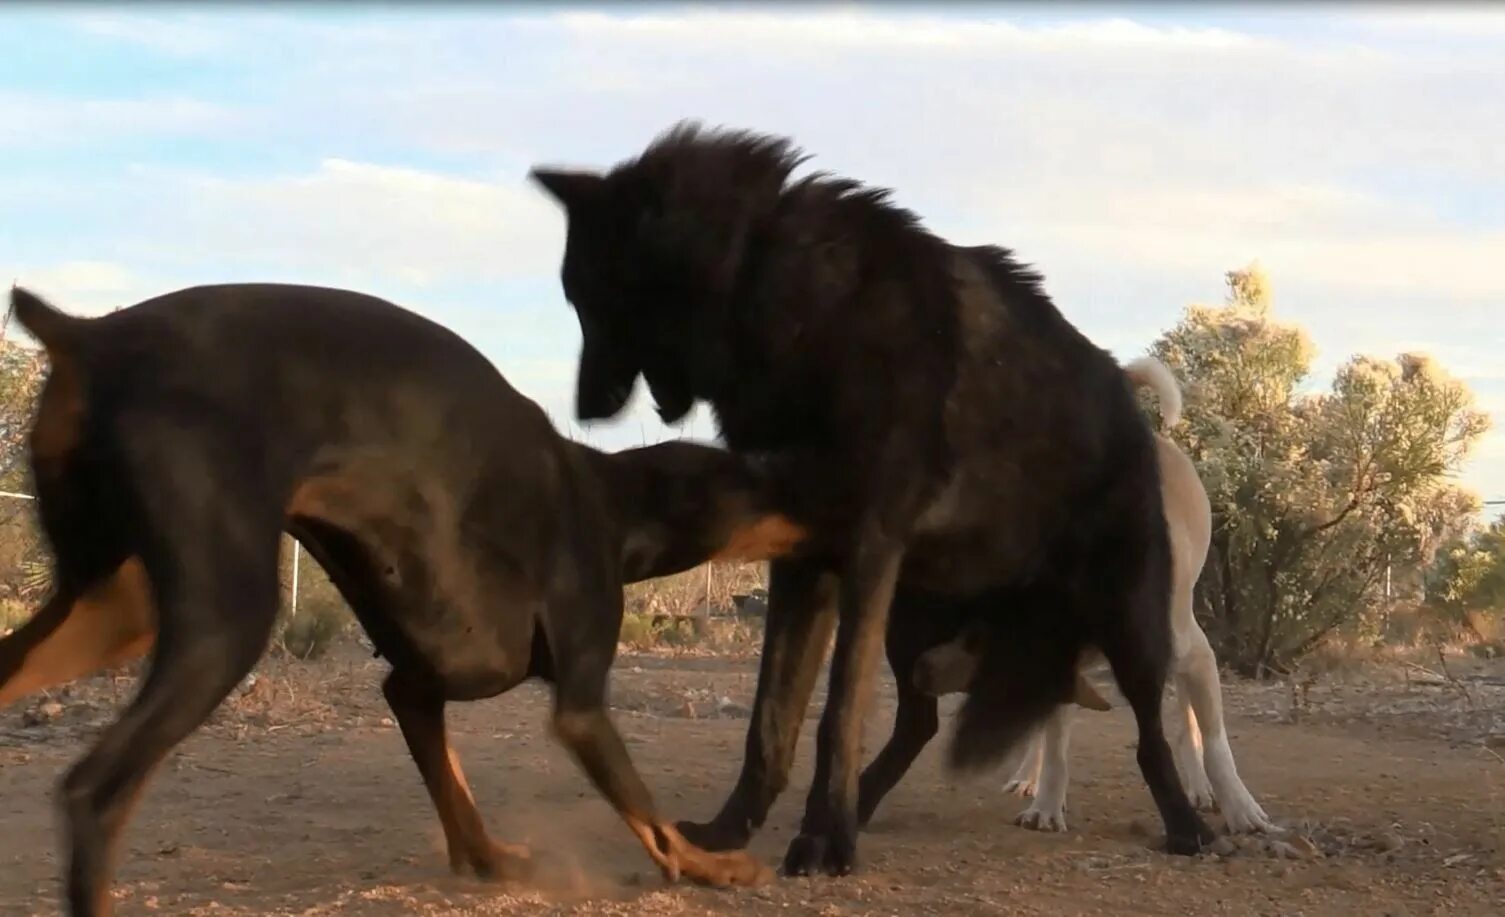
(178, 438)
(956, 430)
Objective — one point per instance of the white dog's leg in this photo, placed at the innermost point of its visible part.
(1197, 679)
(1027, 777)
(1188, 748)
(1047, 812)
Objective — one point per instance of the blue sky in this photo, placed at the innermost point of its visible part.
(1133, 152)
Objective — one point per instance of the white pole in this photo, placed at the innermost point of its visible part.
(297, 550)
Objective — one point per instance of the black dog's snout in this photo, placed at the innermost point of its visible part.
(603, 403)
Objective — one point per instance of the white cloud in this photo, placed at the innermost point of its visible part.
(858, 29)
(83, 287)
(1127, 159)
(29, 121)
(176, 35)
(1475, 20)
(359, 221)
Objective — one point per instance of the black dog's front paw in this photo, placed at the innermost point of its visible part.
(714, 836)
(816, 854)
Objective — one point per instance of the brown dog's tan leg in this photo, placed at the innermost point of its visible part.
(420, 716)
(678, 857)
(113, 622)
(597, 746)
(765, 538)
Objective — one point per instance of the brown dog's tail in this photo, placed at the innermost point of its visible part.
(1150, 373)
(52, 328)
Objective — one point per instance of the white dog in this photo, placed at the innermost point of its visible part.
(1202, 752)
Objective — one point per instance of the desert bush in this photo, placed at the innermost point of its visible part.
(693, 610)
(314, 629)
(1317, 497)
(1466, 585)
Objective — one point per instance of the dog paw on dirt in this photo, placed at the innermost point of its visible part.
(1193, 840)
(678, 858)
(820, 854)
(1039, 818)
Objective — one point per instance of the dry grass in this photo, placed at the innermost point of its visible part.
(705, 588)
(693, 611)
(317, 625)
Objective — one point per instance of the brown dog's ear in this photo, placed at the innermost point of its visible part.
(572, 188)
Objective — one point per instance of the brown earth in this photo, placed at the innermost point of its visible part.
(299, 798)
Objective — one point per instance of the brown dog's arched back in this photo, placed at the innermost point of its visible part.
(112, 623)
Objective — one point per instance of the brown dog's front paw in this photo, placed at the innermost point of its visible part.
(721, 870)
(505, 863)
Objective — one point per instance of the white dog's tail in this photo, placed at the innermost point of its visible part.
(1150, 373)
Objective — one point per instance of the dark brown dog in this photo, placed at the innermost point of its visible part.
(178, 438)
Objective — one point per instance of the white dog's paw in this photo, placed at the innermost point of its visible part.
(1040, 819)
(1020, 786)
(1200, 794)
(1246, 817)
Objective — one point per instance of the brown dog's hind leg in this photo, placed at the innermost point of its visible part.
(110, 623)
(210, 550)
(420, 716)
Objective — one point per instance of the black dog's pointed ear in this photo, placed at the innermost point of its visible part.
(569, 187)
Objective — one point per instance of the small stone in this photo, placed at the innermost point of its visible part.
(1223, 847)
(386, 722)
(1291, 851)
(1389, 842)
(50, 710)
(728, 707)
(1307, 847)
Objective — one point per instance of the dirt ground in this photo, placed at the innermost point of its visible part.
(299, 798)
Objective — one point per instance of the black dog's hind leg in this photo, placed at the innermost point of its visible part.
(917, 719)
(1140, 657)
(827, 841)
(212, 561)
(801, 616)
(916, 722)
(582, 634)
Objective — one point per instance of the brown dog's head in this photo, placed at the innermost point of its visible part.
(651, 256)
(684, 503)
